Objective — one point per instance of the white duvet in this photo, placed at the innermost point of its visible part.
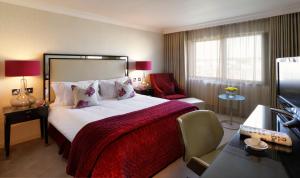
(69, 121)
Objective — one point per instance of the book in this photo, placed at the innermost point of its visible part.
(266, 135)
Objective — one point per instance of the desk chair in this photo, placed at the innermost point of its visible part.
(201, 134)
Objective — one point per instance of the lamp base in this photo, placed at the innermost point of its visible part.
(22, 100)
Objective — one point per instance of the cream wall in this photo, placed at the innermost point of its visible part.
(27, 33)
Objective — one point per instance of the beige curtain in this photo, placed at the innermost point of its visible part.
(227, 46)
(284, 42)
(174, 56)
(281, 38)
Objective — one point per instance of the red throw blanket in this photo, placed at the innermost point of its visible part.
(116, 135)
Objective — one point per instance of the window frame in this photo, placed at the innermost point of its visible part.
(223, 60)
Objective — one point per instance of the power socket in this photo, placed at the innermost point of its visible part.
(29, 90)
(17, 91)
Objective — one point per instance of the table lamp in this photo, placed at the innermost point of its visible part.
(143, 65)
(22, 68)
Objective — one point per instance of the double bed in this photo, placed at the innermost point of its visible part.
(69, 121)
(134, 137)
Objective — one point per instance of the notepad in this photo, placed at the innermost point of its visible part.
(267, 135)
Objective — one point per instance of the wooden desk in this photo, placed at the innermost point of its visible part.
(235, 162)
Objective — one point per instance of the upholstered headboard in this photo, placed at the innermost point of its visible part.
(73, 67)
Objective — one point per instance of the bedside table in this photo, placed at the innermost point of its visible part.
(148, 91)
(14, 115)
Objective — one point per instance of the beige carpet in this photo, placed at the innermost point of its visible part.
(34, 159)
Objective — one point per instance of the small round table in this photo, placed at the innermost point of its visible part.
(231, 124)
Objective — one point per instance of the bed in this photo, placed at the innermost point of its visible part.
(135, 137)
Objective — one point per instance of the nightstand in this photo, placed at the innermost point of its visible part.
(17, 115)
(148, 91)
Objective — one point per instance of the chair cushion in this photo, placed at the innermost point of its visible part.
(175, 96)
(168, 87)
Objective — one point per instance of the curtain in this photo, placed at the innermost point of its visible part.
(230, 55)
(284, 42)
(175, 56)
(280, 37)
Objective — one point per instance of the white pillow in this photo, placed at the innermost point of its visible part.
(63, 91)
(108, 87)
(59, 93)
(124, 90)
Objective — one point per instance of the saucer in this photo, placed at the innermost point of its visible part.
(256, 144)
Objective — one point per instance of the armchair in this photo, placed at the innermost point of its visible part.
(165, 86)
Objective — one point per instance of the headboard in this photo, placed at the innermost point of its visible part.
(78, 67)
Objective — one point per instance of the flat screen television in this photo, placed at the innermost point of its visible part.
(288, 80)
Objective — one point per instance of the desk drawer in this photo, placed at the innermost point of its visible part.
(22, 116)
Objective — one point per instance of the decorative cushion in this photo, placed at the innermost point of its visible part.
(85, 97)
(124, 90)
(63, 91)
(108, 88)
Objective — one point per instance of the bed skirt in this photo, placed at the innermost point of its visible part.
(63, 143)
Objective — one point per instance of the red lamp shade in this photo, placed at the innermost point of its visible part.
(14, 68)
(143, 65)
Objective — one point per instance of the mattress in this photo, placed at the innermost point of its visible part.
(69, 121)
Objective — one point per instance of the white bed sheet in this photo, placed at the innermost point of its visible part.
(69, 121)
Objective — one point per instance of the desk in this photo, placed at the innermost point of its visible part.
(235, 162)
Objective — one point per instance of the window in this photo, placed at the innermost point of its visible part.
(207, 56)
(232, 58)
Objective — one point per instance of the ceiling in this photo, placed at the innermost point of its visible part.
(166, 15)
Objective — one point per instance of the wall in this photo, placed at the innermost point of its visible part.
(27, 33)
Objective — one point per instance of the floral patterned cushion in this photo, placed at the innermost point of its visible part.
(108, 88)
(85, 97)
(63, 91)
(124, 90)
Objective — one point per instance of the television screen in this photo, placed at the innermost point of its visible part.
(289, 80)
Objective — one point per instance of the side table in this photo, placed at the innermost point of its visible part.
(231, 124)
(14, 115)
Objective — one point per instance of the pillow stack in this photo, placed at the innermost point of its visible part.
(89, 93)
(63, 91)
